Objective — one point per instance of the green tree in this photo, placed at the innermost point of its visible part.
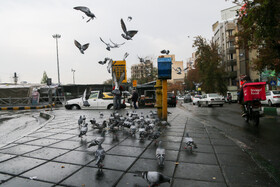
(210, 71)
(259, 28)
(45, 78)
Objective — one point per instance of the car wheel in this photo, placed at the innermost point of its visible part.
(221, 105)
(109, 106)
(193, 103)
(75, 107)
(198, 104)
(269, 103)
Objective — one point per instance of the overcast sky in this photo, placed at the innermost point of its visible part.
(28, 48)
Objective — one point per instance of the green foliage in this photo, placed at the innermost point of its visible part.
(210, 71)
(259, 28)
(45, 78)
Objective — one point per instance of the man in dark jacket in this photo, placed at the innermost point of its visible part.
(134, 98)
(246, 79)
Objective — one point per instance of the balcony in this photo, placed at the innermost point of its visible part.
(231, 49)
(231, 62)
(231, 38)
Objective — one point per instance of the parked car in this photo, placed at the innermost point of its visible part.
(95, 101)
(195, 99)
(179, 97)
(187, 98)
(272, 98)
(171, 99)
(211, 99)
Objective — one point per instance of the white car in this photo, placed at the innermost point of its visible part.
(272, 98)
(211, 99)
(195, 99)
(95, 101)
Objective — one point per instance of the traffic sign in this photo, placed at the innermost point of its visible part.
(134, 83)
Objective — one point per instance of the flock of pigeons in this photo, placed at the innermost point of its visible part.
(145, 127)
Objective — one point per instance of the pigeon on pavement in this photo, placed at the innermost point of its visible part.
(98, 140)
(160, 154)
(87, 11)
(153, 178)
(127, 34)
(83, 130)
(99, 156)
(190, 145)
(80, 121)
(82, 48)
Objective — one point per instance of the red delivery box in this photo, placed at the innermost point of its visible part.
(254, 90)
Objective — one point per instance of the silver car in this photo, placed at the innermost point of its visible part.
(211, 99)
(272, 98)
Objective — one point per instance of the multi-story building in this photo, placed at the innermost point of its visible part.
(142, 70)
(236, 61)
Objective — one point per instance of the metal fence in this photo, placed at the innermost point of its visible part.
(24, 101)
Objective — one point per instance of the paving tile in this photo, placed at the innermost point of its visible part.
(247, 176)
(128, 180)
(67, 144)
(170, 138)
(61, 136)
(20, 149)
(224, 141)
(178, 134)
(4, 157)
(23, 182)
(4, 178)
(201, 148)
(228, 149)
(116, 162)
(193, 183)
(135, 143)
(123, 150)
(25, 139)
(199, 172)
(236, 160)
(152, 165)
(199, 158)
(52, 171)
(46, 153)
(88, 176)
(76, 157)
(40, 134)
(201, 140)
(167, 145)
(19, 164)
(42, 142)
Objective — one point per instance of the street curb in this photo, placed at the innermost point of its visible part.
(273, 111)
(47, 116)
(26, 107)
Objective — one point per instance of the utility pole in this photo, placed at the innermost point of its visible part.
(56, 36)
(73, 75)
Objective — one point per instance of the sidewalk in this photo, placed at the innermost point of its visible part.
(55, 156)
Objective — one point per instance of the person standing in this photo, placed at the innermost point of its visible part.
(134, 98)
(117, 97)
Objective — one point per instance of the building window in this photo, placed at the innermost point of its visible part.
(230, 32)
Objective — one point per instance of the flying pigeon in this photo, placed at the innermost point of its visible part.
(125, 56)
(99, 156)
(87, 11)
(107, 44)
(186, 68)
(104, 61)
(115, 45)
(129, 18)
(165, 52)
(142, 60)
(127, 34)
(82, 48)
(110, 65)
(83, 130)
(98, 140)
(178, 70)
(154, 178)
(160, 154)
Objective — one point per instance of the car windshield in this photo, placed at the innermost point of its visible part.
(93, 95)
(198, 96)
(276, 92)
(214, 95)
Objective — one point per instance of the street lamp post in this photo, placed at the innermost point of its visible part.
(73, 75)
(56, 36)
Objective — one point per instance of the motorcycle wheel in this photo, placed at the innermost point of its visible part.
(256, 119)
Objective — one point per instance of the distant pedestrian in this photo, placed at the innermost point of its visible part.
(35, 97)
(134, 98)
